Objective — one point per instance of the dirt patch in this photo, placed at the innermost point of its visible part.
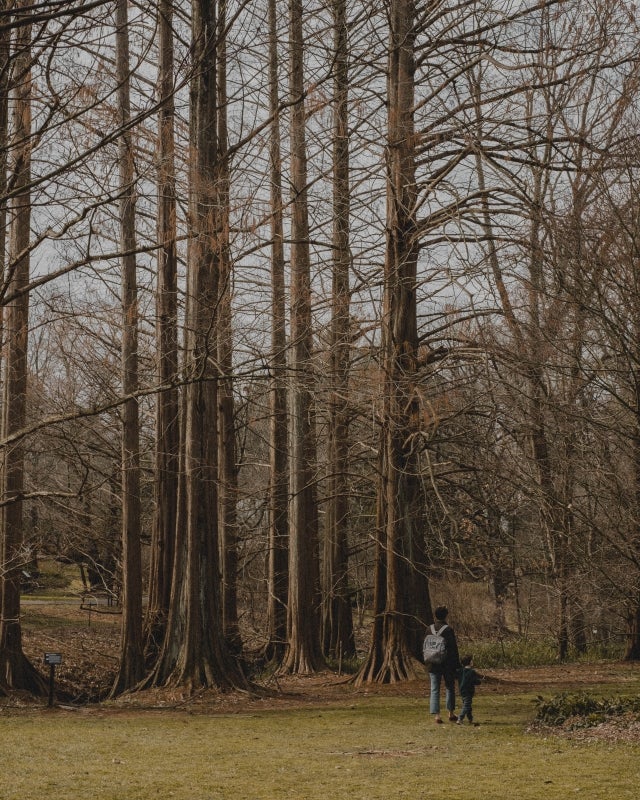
(625, 728)
(565, 677)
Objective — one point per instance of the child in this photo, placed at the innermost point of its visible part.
(468, 679)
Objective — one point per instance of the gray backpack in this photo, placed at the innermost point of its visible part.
(434, 647)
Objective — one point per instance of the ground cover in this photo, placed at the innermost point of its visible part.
(308, 738)
(315, 745)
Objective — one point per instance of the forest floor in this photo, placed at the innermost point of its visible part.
(88, 641)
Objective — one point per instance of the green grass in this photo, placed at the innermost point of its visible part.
(531, 652)
(56, 581)
(372, 749)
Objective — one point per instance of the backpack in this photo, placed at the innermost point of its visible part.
(434, 647)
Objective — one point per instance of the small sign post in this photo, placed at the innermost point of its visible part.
(52, 659)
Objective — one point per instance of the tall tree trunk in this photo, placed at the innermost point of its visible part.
(551, 504)
(303, 623)
(194, 652)
(228, 492)
(167, 446)
(369, 671)
(278, 578)
(16, 672)
(338, 637)
(131, 659)
(632, 648)
(5, 53)
(401, 498)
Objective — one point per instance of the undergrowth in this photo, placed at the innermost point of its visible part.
(583, 709)
(530, 652)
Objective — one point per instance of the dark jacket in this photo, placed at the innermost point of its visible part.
(468, 679)
(451, 663)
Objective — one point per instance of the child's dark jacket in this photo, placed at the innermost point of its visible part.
(468, 679)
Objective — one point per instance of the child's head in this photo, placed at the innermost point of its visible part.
(441, 613)
(467, 661)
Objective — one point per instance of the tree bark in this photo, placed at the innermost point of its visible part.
(278, 575)
(338, 639)
(5, 53)
(16, 671)
(194, 653)
(167, 447)
(131, 660)
(303, 624)
(401, 502)
(228, 491)
(632, 649)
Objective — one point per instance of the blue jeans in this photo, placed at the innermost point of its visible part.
(467, 710)
(450, 692)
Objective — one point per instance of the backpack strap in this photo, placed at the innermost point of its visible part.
(438, 633)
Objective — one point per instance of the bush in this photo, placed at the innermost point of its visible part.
(583, 709)
(517, 652)
(53, 580)
(533, 652)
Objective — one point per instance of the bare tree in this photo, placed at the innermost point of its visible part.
(5, 53)
(338, 640)
(132, 661)
(562, 150)
(16, 671)
(277, 577)
(194, 652)
(167, 417)
(228, 491)
(304, 651)
(394, 645)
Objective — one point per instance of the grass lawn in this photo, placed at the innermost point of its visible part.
(373, 748)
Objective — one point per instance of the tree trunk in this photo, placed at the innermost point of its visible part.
(167, 448)
(368, 673)
(5, 53)
(16, 672)
(632, 649)
(131, 658)
(303, 624)
(338, 638)
(278, 576)
(194, 653)
(401, 500)
(228, 492)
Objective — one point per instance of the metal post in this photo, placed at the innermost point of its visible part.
(52, 673)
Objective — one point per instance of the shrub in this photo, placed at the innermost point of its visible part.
(583, 709)
(54, 580)
(533, 652)
(517, 652)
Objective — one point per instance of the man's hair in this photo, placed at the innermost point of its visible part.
(441, 613)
